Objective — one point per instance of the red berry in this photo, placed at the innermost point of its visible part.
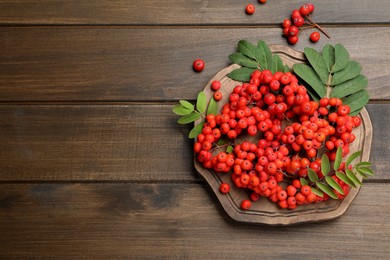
(293, 30)
(198, 65)
(286, 23)
(218, 95)
(315, 36)
(216, 85)
(224, 188)
(246, 204)
(250, 9)
(304, 10)
(295, 13)
(262, 1)
(292, 40)
(311, 7)
(298, 21)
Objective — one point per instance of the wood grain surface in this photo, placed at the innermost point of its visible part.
(92, 162)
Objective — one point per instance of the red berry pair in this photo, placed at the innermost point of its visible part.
(250, 8)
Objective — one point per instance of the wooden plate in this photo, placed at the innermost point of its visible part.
(264, 211)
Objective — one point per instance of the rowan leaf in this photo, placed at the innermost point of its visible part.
(189, 118)
(363, 164)
(349, 87)
(345, 179)
(351, 175)
(341, 58)
(317, 192)
(229, 149)
(254, 52)
(312, 175)
(327, 189)
(328, 55)
(325, 164)
(242, 74)
(263, 47)
(201, 102)
(350, 71)
(181, 110)
(357, 100)
(243, 60)
(317, 62)
(187, 104)
(332, 183)
(196, 131)
(277, 64)
(339, 157)
(213, 107)
(303, 181)
(352, 157)
(307, 74)
(365, 170)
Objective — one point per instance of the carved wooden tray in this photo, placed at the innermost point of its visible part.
(264, 211)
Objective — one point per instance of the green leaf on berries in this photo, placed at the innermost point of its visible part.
(242, 74)
(229, 149)
(317, 62)
(349, 87)
(213, 107)
(339, 157)
(352, 157)
(351, 175)
(317, 192)
(345, 179)
(267, 64)
(365, 170)
(196, 131)
(312, 175)
(303, 181)
(357, 100)
(277, 64)
(327, 189)
(328, 55)
(332, 183)
(325, 164)
(181, 110)
(243, 60)
(201, 102)
(187, 104)
(189, 118)
(307, 74)
(341, 58)
(350, 71)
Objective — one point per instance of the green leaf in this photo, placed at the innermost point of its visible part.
(303, 181)
(213, 107)
(341, 58)
(229, 149)
(360, 173)
(349, 87)
(328, 190)
(243, 60)
(248, 49)
(350, 71)
(345, 179)
(328, 55)
(351, 175)
(317, 62)
(307, 74)
(332, 183)
(325, 164)
(189, 118)
(241, 74)
(187, 104)
(339, 157)
(363, 164)
(180, 110)
(221, 142)
(196, 130)
(358, 100)
(317, 192)
(277, 64)
(312, 175)
(365, 170)
(352, 157)
(286, 68)
(201, 102)
(263, 47)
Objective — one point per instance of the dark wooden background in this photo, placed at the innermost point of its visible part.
(92, 161)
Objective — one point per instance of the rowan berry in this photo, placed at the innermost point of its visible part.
(262, 1)
(298, 21)
(286, 23)
(246, 204)
(198, 65)
(305, 190)
(217, 95)
(215, 85)
(250, 9)
(293, 30)
(304, 10)
(315, 37)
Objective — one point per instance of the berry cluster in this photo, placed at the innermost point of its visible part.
(299, 17)
(290, 128)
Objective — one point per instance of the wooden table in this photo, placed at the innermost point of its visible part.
(92, 161)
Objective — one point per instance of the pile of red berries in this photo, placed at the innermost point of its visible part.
(290, 129)
(292, 27)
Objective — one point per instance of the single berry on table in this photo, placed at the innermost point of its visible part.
(315, 37)
(250, 9)
(198, 65)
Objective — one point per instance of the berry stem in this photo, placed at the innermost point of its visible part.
(316, 25)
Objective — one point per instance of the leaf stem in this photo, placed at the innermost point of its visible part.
(316, 25)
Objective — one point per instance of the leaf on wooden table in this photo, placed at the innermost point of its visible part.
(328, 55)
(267, 52)
(317, 62)
(350, 71)
(243, 60)
(365, 170)
(196, 130)
(349, 87)
(241, 74)
(351, 175)
(189, 118)
(307, 74)
(352, 157)
(181, 110)
(201, 102)
(341, 58)
(186, 104)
